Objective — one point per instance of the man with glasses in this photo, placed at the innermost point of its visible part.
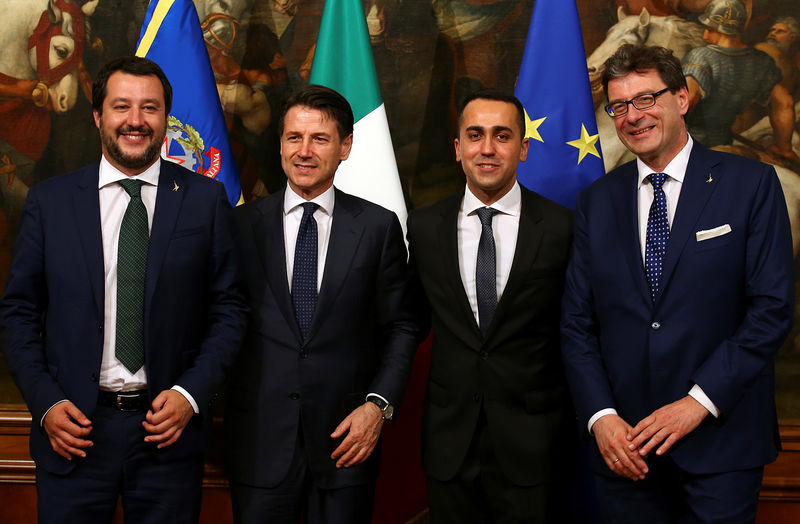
(679, 292)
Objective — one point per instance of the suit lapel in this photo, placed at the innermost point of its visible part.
(270, 244)
(529, 238)
(86, 203)
(345, 235)
(624, 197)
(168, 205)
(448, 240)
(694, 196)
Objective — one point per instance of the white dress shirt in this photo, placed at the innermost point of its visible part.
(293, 213)
(676, 171)
(505, 226)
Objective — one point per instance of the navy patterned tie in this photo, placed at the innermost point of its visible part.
(657, 234)
(134, 237)
(486, 270)
(304, 274)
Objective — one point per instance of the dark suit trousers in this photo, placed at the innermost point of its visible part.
(298, 495)
(481, 493)
(669, 495)
(155, 487)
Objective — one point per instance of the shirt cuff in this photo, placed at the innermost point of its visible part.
(188, 397)
(376, 395)
(41, 422)
(699, 395)
(598, 415)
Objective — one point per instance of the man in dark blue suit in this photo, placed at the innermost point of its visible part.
(122, 311)
(679, 292)
(331, 338)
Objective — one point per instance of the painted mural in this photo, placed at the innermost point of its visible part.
(428, 53)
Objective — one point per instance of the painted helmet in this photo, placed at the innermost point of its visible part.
(728, 17)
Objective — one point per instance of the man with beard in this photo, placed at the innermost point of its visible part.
(122, 311)
(781, 45)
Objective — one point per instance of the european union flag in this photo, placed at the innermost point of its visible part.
(553, 85)
(197, 137)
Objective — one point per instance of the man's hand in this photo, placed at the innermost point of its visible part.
(666, 426)
(169, 415)
(67, 428)
(610, 432)
(363, 428)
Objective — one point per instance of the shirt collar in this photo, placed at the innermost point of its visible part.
(676, 169)
(509, 204)
(325, 200)
(110, 175)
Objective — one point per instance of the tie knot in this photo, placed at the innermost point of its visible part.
(486, 214)
(132, 187)
(657, 179)
(309, 208)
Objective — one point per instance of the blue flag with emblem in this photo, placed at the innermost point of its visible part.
(197, 137)
(553, 85)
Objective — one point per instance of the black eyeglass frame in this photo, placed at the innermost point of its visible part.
(655, 95)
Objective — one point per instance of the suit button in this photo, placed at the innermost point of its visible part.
(100, 326)
(94, 377)
(656, 325)
(294, 396)
(476, 397)
(303, 354)
(484, 355)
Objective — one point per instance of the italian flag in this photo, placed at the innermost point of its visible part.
(343, 61)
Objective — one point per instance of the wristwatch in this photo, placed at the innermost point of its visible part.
(386, 408)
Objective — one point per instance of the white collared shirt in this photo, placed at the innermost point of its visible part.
(113, 202)
(676, 172)
(505, 227)
(293, 213)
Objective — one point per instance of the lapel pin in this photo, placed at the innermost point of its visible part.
(175, 186)
(709, 179)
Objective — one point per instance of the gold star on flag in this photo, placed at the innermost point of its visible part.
(585, 144)
(532, 127)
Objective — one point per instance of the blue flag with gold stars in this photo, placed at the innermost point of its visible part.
(553, 85)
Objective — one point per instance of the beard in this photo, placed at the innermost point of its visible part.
(132, 161)
(783, 47)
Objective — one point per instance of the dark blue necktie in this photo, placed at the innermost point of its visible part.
(486, 270)
(304, 274)
(657, 234)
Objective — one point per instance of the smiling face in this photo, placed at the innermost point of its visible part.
(311, 150)
(655, 134)
(133, 123)
(489, 147)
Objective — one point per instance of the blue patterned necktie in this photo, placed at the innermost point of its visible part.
(304, 274)
(657, 234)
(134, 237)
(486, 270)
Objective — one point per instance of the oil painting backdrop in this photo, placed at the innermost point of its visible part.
(428, 54)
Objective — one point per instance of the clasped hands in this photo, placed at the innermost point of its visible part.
(68, 428)
(624, 448)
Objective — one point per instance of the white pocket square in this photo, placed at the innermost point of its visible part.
(713, 233)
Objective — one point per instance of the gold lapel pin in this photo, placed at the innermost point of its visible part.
(175, 186)
(709, 179)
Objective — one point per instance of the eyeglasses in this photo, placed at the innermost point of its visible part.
(617, 109)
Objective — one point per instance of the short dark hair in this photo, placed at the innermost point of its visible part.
(132, 65)
(497, 96)
(639, 58)
(324, 99)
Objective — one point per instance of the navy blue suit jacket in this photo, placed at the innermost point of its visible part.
(53, 306)
(726, 307)
(362, 339)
